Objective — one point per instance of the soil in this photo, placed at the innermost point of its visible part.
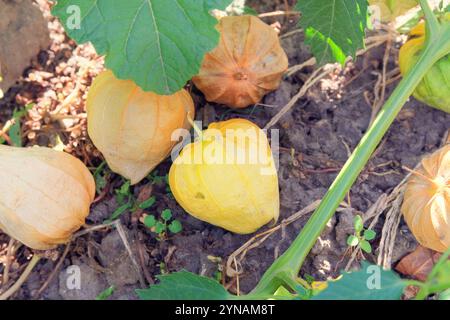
(316, 137)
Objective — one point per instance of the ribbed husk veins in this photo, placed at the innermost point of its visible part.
(248, 63)
(44, 195)
(134, 129)
(426, 205)
(228, 177)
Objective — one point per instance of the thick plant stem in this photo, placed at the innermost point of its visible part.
(292, 260)
(23, 277)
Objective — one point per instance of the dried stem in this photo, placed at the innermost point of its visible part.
(23, 277)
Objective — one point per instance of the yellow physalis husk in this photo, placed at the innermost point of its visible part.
(132, 128)
(228, 177)
(434, 89)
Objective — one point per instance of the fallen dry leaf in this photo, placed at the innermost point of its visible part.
(418, 264)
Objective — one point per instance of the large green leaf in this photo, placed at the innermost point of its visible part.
(370, 283)
(184, 285)
(335, 29)
(159, 44)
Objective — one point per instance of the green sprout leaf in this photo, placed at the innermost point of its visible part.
(160, 227)
(118, 212)
(125, 188)
(166, 214)
(250, 11)
(99, 176)
(150, 221)
(369, 235)
(335, 29)
(147, 203)
(184, 285)
(15, 130)
(158, 44)
(365, 246)
(106, 294)
(358, 223)
(123, 192)
(369, 283)
(175, 226)
(352, 241)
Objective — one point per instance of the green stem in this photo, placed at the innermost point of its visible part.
(291, 261)
(431, 20)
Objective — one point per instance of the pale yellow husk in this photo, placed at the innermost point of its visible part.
(133, 128)
(238, 193)
(391, 9)
(426, 205)
(44, 195)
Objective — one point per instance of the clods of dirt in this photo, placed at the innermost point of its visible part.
(21, 26)
(316, 137)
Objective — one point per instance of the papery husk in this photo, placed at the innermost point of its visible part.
(426, 205)
(248, 63)
(133, 128)
(45, 195)
(238, 193)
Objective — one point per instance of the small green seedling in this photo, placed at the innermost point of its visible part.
(161, 226)
(15, 127)
(106, 293)
(217, 275)
(157, 179)
(101, 176)
(362, 236)
(127, 202)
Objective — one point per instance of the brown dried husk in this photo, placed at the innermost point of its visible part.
(426, 205)
(248, 63)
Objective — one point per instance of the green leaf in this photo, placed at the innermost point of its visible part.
(352, 241)
(369, 283)
(125, 188)
(184, 285)
(150, 221)
(358, 224)
(175, 226)
(445, 295)
(369, 235)
(158, 44)
(335, 29)
(365, 246)
(99, 176)
(100, 183)
(147, 203)
(282, 292)
(217, 4)
(250, 11)
(160, 227)
(166, 214)
(14, 131)
(118, 212)
(123, 192)
(106, 294)
(440, 278)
